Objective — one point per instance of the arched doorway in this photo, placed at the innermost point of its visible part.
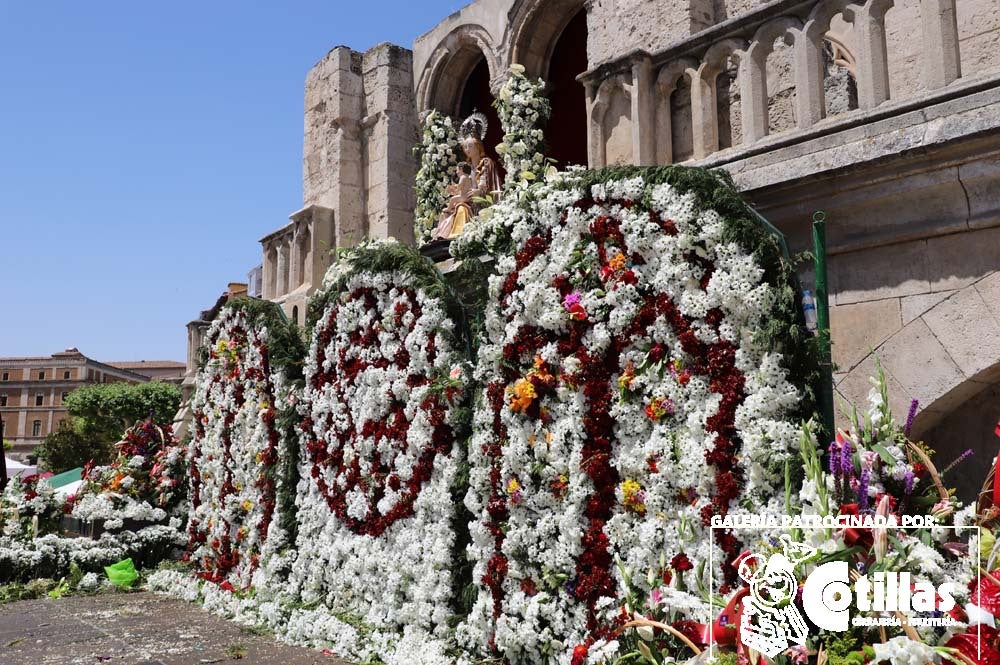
(477, 96)
(566, 133)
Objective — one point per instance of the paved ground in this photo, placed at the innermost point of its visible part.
(138, 629)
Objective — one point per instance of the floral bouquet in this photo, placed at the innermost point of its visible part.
(29, 507)
(877, 508)
(146, 481)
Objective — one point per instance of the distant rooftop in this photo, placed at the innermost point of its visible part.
(146, 364)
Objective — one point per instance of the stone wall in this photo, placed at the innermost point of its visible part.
(360, 128)
(618, 27)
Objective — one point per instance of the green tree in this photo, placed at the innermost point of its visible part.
(106, 410)
(100, 414)
(67, 449)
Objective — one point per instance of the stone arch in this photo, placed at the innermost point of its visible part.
(535, 27)
(667, 125)
(611, 119)
(720, 118)
(761, 96)
(450, 65)
(945, 357)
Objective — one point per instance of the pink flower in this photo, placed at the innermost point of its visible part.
(571, 299)
(456, 373)
(799, 654)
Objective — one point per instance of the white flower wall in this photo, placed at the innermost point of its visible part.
(626, 401)
(379, 457)
(234, 454)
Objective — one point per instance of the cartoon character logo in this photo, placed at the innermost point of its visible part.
(770, 622)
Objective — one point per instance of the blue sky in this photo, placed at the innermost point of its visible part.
(146, 147)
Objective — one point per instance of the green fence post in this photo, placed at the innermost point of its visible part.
(825, 393)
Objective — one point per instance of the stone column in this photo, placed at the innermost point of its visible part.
(942, 61)
(704, 110)
(281, 283)
(872, 57)
(595, 139)
(664, 124)
(643, 113)
(753, 92)
(810, 96)
(295, 258)
(268, 272)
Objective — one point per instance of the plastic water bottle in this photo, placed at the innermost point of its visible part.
(809, 309)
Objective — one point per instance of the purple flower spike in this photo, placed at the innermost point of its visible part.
(911, 416)
(846, 463)
(834, 459)
(910, 479)
(863, 490)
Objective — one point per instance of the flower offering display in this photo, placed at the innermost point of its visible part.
(628, 399)
(438, 155)
(147, 481)
(385, 378)
(523, 109)
(234, 457)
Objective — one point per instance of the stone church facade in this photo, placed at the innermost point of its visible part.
(884, 114)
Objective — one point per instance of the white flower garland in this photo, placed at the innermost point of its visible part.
(437, 153)
(523, 110)
(234, 454)
(664, 310)
(378, 462)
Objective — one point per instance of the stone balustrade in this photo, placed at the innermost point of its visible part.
(726, 87)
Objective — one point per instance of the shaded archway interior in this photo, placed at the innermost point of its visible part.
(969, 426)
(477, 96)
(566, 133)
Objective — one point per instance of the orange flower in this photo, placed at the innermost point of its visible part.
(521, 395)
(627, 377)
(618, 262)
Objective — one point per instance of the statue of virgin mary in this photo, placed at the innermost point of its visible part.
(485, 180)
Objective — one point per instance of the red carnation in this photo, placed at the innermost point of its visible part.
(681, 562)
(580, 652)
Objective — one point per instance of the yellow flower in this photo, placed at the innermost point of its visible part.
(247, 505)
(513, 486)
(633, 497)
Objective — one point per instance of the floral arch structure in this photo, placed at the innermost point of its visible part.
(644, 369)
(384, 383)
(241, 478)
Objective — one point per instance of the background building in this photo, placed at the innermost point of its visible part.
(883, 113)
(33, 390)
(168, 371)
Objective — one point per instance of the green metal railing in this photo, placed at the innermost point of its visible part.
(825, 391)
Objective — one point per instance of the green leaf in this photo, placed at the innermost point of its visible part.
(884, 454)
